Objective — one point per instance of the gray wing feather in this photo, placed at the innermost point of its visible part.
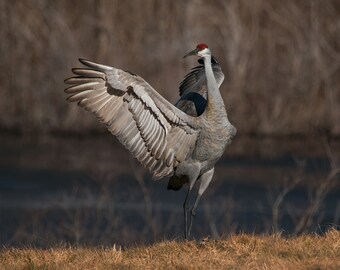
(142, 120)
(193, 89)
(195, 81)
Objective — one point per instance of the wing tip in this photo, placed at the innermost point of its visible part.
(77, 69)
(67, 90)
(94, 65)
(85, 62)
(67, 80)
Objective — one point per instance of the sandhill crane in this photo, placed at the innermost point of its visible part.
(182, 142)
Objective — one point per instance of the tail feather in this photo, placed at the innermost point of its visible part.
(176, 182)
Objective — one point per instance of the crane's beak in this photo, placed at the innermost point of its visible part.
(193, 52)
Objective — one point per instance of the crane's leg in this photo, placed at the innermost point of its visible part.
(193, 173)
(205, 181)
(185, 207)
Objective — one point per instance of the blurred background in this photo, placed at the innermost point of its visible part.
(65, 180)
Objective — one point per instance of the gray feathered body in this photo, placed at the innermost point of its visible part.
(215, 133)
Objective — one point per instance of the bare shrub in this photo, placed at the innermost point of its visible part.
(281, 58)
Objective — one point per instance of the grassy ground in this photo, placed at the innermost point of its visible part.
(235, 252)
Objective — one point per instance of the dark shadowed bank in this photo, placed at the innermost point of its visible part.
(89, 191)
(64, 179)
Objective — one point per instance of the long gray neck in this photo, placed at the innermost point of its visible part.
(213, 93)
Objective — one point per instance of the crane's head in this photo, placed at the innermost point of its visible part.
(201, 50)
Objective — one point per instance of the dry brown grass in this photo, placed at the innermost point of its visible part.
(235, 252)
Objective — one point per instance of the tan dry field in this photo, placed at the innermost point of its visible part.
(234, 252)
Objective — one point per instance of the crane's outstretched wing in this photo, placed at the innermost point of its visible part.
(193, 89)
(157, 133)
(195, 80)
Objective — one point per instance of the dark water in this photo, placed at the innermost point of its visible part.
(89, 192)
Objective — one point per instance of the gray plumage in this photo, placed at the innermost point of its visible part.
(167, 140)
(193, 89)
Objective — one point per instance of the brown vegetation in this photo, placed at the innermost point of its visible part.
(234, 252)
(282, 58)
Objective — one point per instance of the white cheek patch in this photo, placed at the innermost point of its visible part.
(204, 52)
